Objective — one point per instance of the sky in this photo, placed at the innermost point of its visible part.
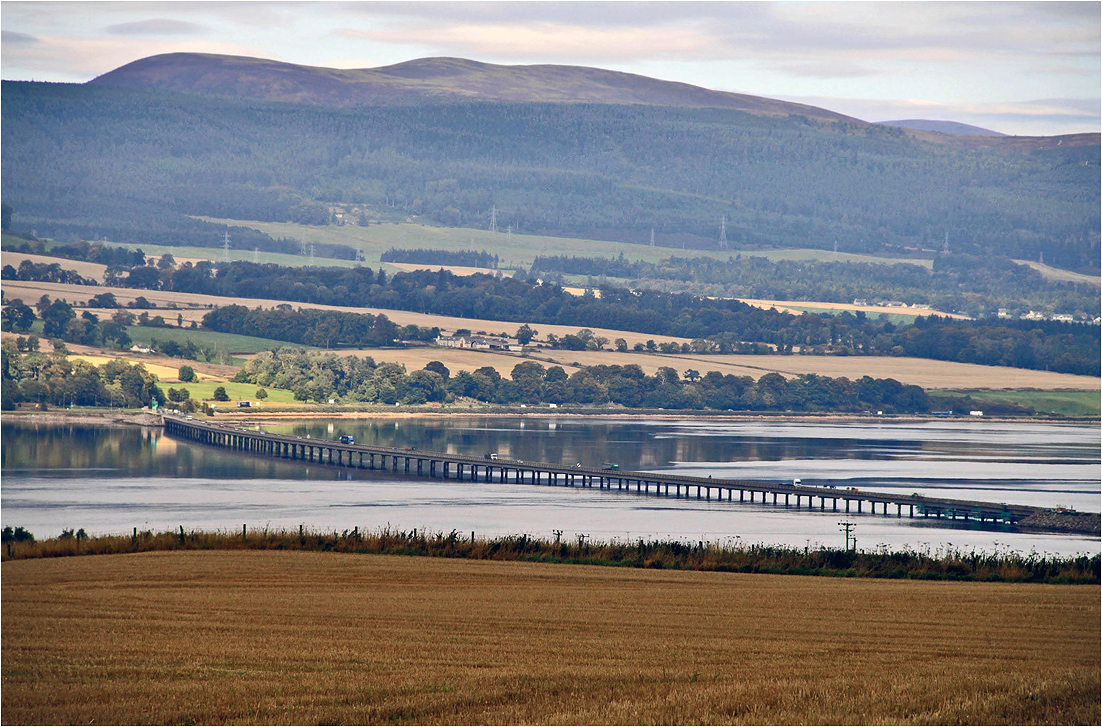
(1024, 68)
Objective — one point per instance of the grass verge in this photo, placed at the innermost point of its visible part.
(947, 564)
(1059, 403)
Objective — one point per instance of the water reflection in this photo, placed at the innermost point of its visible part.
(112, 478)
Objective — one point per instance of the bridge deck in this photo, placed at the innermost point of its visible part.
(438, 464)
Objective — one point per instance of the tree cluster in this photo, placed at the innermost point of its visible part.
(60, 321)
(315, 327)
(92, 252)
(320, 377)
(53, 379)
(43, 273)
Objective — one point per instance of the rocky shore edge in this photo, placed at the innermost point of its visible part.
(1063, 521)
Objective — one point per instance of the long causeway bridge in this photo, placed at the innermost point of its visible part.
(418, 463)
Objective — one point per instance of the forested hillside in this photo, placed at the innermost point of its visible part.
(976, 286)
(131, 165)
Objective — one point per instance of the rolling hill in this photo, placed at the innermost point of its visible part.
(428, 79)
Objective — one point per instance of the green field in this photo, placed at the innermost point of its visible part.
(228, 342)
(514, 249)
(1061, 403)
(204, 391)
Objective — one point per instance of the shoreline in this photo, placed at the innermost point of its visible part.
(256, 417)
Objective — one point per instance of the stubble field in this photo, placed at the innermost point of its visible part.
(298, 637)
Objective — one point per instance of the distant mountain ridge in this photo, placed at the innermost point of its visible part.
(143, 153)
(941, 127)
(434, 79)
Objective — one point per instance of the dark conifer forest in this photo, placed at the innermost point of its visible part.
(137, 165)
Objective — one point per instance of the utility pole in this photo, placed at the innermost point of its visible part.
(256, 254)
(226, 247)
(652, 237)
(723, 232)
(302, 247)
(311, 255)
(945, 247)
(847, 528)
(493, 219)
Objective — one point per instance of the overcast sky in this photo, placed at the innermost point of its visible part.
(1019, 68)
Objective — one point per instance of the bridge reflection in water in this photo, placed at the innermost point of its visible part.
(483, 469)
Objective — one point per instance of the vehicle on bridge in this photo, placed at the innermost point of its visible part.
(346, 439)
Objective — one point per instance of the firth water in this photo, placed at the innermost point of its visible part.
(109, 479)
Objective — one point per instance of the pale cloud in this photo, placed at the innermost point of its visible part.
(547, 40)
(156, 26)
(838, 69)
(10, 37)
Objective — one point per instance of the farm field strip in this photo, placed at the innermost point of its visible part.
(926, 373)
(519, 248)
(799, 306)
(162, 299)
(268, 637)
(1058, 274)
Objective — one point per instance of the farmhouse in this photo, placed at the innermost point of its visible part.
(483, 343)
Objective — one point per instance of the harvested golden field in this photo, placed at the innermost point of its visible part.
(93, 271)
(248, 637)
(164, 372)
(927, 373)
(797, 307)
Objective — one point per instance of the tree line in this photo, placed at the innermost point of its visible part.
(43, 272)
(727, 324)
(315, 327)
(315, 376)
(956, 283)
(466, 258)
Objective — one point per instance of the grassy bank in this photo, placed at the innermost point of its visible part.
(945, 564)
(278, 637)
(1058, 403)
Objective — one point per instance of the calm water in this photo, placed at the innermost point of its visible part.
(111, 479)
